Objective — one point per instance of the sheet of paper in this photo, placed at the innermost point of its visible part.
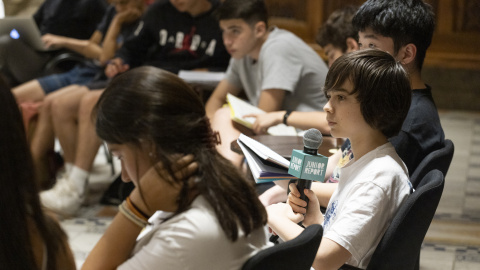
(201, 76)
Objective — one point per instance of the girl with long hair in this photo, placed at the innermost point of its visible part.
(29, 239)
(211, 217)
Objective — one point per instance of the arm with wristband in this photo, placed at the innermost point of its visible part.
(118, 241)
(300, 120)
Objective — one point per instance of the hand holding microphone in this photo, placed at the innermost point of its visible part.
(308, 165)
(310, 215)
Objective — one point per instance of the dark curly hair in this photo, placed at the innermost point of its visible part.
(338, 28)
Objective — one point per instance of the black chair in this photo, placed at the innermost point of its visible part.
(63, 62)
(439, 159)
(401, 243)
(298, 253)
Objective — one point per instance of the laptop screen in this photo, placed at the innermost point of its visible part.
(23, 28)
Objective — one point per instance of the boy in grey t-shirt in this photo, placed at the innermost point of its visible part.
(275, 69)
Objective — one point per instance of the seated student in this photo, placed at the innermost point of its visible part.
(275, 69)
(74, 19)
(30, 238)
(120, 21)
(405, 30)
(156, 125)
(184, 35)
(336, 37)
(190, 38)
(369, 96)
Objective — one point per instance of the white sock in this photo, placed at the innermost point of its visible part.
(79, 178)
(68, 167)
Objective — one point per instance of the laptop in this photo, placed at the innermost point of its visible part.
(23, 28)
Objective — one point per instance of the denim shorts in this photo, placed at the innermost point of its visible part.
(79, 74)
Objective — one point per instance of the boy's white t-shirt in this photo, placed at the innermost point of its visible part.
(369, 193)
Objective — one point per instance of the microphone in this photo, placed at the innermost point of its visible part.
(308, 165)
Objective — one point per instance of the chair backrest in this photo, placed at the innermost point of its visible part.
(439, 159)
(63, 62)
(298, 253)
(401, 243)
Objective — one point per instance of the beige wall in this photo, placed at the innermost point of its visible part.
(452, 64)
(21, 7)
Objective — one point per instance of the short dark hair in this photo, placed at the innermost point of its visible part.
(251, 11)
(153, 105)
(405, 21)
(382, 86)
(338, 28)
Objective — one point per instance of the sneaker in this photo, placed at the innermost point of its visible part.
(63, 198)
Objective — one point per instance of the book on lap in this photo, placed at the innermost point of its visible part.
(239, 108)
(263, 151)
(265, 164)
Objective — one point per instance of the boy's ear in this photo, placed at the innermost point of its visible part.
(260, 29)
(352, 44)
(408, 53)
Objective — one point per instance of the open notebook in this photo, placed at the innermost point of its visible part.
(239, 108)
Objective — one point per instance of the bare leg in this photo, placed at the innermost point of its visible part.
(64, 119)
(43, 142)
(68, 194)
(229, 132)
(30, 91)
(43, 138)
(88, 141)
(274, 194)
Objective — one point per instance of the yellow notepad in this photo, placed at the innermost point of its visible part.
(239, 108)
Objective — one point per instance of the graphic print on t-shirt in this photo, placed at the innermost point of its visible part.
(330, 214)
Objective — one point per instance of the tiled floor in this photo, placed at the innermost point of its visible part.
(452, 242)
(453, 239)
